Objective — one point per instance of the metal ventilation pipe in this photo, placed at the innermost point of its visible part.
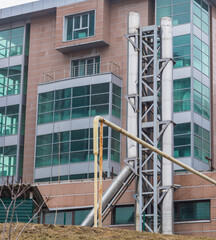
(167, 115)
(109, 194)
(132, 90)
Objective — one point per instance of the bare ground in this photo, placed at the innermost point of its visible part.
(51, 232)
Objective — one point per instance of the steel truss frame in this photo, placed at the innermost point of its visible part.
(151, 127)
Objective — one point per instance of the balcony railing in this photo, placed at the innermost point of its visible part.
(81, 71)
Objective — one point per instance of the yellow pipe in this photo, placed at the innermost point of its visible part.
(95, 151)
(100, 176)
(149, 146)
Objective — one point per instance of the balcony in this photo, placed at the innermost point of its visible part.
(81, 70)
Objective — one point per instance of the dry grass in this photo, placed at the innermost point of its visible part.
(50, 232)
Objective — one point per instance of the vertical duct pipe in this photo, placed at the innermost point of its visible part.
(167, 115)
(133, 25)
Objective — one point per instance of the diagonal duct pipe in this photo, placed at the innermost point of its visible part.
(109, 194)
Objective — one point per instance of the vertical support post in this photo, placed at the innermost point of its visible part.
(133, 25)
(167, 115)
(100, 175)
(95, 134)
(155, 135)
(140, 185)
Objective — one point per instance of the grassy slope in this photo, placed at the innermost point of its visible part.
(45, 232)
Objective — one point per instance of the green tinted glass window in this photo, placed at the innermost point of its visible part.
(11, 42)
(181, 95)
(44, 139)
(100, 88)
(182, 140)
(9, 119)
(181, 40)
(10, 79)
(192, 210)
(80, 26)
(84, 102)
(181, 83)
(116, 90)
(80, 216)
(79, 91)
(164, 12)
(44, 97)
(162, 3)
(201, 143)
(178, 10)
(201, 99)
(124, 215)
(201, 20)
(181, 8)
(63, 93)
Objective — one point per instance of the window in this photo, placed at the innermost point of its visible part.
(200, 15)
(8, 160)
(179, 11)
(116, 101)
(78, 102)
(201, 55)
(201, 143)
(71, 147)
(181, 50)
(11, 42)
(80, 26)
(201, 99)
(85, 67)
(10, 78)
(70, 217)
(9, 119)
(181, 95)
(123, 215)
(192, 210)
(182, 140)
(115, 146)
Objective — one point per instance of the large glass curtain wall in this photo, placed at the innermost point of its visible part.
(73, 146)
(78, 102)
(11, 42)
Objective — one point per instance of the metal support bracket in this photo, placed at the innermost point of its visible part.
(166, 123)
(166, 61)
(164, 190)
(135, 160)
(134, 42)
(134, 104)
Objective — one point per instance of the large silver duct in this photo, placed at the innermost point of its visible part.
(167, 116)
(132, 91)
(109, 194)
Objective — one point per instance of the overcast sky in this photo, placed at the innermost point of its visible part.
(9, 3)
